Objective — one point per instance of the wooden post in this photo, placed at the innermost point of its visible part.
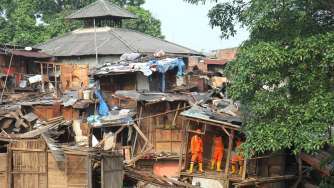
(244, 170)
(230, 145)
(300, 171)
(183, 143)
(54, 73)
(43, 89)
(90, 173)
(9, 166)
(102, 173)
(186, 144)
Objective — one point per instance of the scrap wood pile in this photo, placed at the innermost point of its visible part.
(149, 178)
(15, 125)
(216, 108)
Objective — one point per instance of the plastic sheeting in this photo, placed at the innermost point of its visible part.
(103, 107)
(147, 68)
(169, 64)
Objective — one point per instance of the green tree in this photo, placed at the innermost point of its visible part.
(145, 23)
(284, 73)
(28, 22)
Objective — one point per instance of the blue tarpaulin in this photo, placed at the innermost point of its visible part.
(103, 107)
(169, 64)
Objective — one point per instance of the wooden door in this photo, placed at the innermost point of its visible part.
(112, 172)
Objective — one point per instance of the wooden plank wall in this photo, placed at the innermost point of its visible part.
(29, 164)
(3, 170)
(46, 112)
(160, 130)
(56, 173)
(112, 172)
(76, 171)
(74, 76)
(34, 167)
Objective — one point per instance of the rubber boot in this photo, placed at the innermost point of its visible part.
(191, 168)
(200, 167)
(212, 165)
(233, 169)
(218, 166)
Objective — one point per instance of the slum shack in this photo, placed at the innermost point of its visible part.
(220, 163)
(217, 62)
(22, 67)
(151, 76)
(48, 155)
(158, 119)
(125, 131)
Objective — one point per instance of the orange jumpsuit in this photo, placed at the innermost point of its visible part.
(218, 151)
(196, 149)
(237, 157)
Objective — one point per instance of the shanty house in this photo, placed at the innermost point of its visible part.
(17, 63)
(221, 59)
(274, 170)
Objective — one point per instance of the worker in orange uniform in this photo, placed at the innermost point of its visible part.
(237, 158)
(218, 152)
(196, 152)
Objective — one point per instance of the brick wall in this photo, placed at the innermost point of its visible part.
(196, 61)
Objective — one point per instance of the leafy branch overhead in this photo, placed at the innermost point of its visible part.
(284, 73)
(36, 21)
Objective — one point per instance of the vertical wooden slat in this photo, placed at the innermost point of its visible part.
(230, 145)
(90, 173)
(244, 170)
(42, 77)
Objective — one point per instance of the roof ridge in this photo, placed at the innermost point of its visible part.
(161, 40)
(80, 10)
(122, 40)
(107, 6)
(108, 3)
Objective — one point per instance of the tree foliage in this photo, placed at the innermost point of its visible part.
(34, 21)
(284, 74)
(145, 23)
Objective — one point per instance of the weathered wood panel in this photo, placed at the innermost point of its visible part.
(74, 76)
(56, 173)
(76, 171)
(168, 140)
(70, 114)
(29, 164)
(46, 112)
(112, 172)
(3, 170)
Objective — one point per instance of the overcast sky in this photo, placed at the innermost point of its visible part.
(188, 25)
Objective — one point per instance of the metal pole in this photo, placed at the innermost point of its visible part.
(96, 56)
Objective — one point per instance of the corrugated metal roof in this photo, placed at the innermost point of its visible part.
(101, 8)
(33, 54)
(110, 41)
